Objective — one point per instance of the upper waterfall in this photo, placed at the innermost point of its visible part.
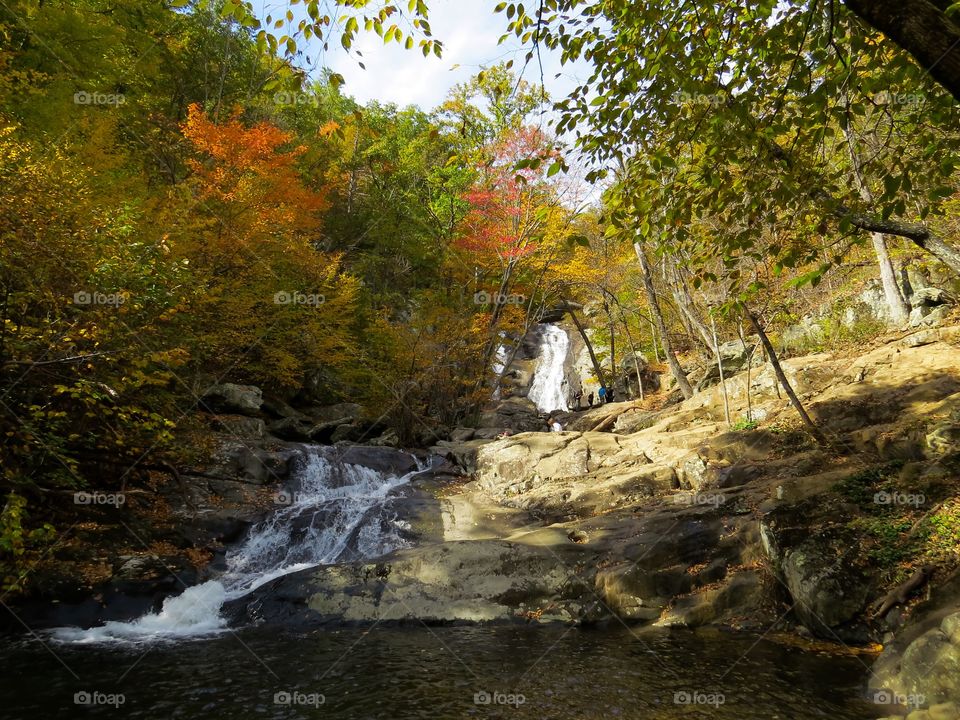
(548, 390)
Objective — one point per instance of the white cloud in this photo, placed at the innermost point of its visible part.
(469, 30)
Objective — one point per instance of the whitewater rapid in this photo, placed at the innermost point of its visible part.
(339, 513)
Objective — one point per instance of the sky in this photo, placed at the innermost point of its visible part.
(469, 30)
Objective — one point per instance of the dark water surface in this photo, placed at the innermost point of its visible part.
(446, 672)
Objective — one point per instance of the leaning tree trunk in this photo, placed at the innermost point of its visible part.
(681, 293)
(586, 341)
(672, 361)
(781, 376)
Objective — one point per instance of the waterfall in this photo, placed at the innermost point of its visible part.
(548, 390)
(339, 513)
(499, 365)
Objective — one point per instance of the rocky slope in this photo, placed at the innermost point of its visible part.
(679, 520)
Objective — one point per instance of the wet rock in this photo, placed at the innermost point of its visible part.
(578, 536)
(381, 459)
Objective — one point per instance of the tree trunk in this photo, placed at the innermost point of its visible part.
(681, 294)
(723, 380)
(586, 341)
(613, 345)
(899, 310)
(897, 305)
(633, 350)
(923, 29)
(672, 361)
(781, 376)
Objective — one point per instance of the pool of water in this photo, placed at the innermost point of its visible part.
(436, 672)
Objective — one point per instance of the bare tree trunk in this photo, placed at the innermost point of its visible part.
(723, 380)
(897, 305)
(781, 376)
(672, 361)
(586, 341)
(653, 341)
(749, 368)
(633, 350)
(681, 294)
(613, 344)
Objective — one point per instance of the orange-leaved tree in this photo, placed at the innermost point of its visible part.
(268, 306)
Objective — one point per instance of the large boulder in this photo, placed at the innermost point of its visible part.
(929, 667)
(827, 588)
(232, 398)
(517, 414)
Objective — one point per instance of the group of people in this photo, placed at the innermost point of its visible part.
(604, 395)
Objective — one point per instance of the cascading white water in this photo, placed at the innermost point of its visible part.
(340, 513)
(499, 365)
(548, 391)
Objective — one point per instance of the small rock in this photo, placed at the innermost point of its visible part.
(918, 339)
(578, 536)
(929, 297)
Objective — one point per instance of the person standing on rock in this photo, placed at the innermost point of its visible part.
(590, 400)
(602, 394)
(576, 398)
(610, 395)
